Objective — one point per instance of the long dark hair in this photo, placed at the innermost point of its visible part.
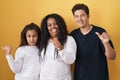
(31, 26)
(45, 36)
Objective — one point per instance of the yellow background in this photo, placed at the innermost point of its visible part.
(15, 14)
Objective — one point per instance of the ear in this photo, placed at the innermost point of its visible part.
(88, 15)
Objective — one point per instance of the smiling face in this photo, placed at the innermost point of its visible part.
(81, 18)
(31, 37)
(52, 27)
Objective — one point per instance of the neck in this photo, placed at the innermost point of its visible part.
(54, 37)
(86, 29)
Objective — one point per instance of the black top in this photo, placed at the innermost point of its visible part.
(91, 63)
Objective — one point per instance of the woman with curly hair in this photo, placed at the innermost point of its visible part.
(58, 50)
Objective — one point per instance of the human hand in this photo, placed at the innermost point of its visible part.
(57, 44)
(7, 49)
(104, 37)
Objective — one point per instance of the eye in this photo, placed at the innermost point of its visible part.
(49, 25)
(34, 36)
(76, 16)
(82, 15)
(55, 23)
(28, 36)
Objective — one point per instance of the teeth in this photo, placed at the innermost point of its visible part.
(80, 22)
(54, 30)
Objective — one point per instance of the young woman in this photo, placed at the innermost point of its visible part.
(26, 65)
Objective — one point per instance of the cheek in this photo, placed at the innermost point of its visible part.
(35, 37)
(76, 20)
(27, 38)
(48, 29)
(85, 18)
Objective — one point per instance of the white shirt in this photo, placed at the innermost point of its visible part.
(26, 65)
(55, 67)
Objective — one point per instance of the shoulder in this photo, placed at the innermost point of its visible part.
(98, 29)
(70, 38)
(70, 42)
(19, 49)
(27, 47)
(74, 31)
(19, 52)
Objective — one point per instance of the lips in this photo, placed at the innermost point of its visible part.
(80, 22)
(54, 30)
(32, 42)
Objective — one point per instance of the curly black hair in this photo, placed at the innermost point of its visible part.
(45, 36)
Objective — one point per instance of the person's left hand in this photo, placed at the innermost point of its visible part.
(104, 37)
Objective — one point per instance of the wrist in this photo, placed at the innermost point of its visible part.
(8, 53)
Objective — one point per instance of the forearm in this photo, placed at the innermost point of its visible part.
(109, 51)
(14, 65)
(67, 56)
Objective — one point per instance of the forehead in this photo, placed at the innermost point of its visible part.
(31, 32)
(51, 20)
(80, 11)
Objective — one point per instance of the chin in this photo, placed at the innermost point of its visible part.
(82, 26)
(32, 44)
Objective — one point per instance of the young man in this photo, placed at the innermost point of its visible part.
(93, 47)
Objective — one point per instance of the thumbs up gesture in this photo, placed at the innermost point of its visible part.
(57, 44)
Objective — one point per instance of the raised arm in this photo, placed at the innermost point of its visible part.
(109, 51)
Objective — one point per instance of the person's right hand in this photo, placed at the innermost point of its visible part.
(57, 44)
(7, 50)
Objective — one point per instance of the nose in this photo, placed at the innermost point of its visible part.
(31, 38)
(53, 25)
(80, 18)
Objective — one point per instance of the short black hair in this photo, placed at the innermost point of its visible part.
(80, 6)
